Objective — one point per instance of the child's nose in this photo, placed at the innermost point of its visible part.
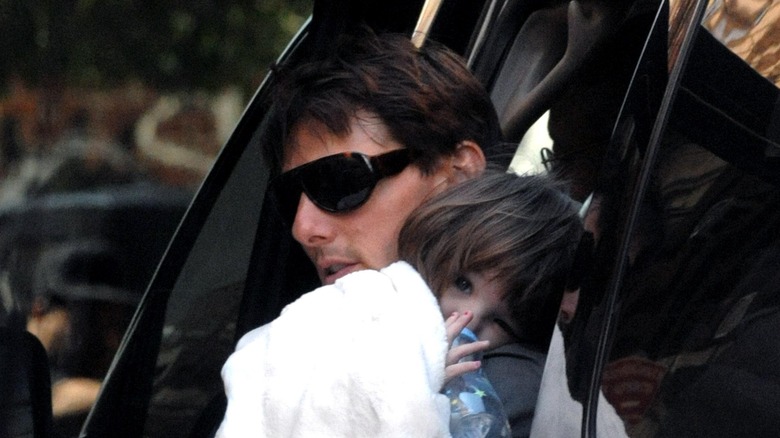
(479, 320)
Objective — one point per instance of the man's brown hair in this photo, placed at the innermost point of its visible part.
(427, 98)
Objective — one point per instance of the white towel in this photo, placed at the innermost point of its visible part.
(361, 358)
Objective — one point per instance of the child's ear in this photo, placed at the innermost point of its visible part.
(467, 162)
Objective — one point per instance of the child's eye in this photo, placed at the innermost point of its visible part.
(463, 284)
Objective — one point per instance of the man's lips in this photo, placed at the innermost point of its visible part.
(334, 268)
(332, 271)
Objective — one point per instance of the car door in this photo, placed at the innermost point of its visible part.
(674, 330)
(231, 265)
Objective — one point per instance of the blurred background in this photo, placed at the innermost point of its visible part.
(111, 114)
(162, 83)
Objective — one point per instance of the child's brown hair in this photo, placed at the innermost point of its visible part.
(523, 230)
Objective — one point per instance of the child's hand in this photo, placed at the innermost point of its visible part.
(454, 324)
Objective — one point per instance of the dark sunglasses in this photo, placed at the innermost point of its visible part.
(336, 183)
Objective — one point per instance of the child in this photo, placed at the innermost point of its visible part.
(499, 247)
(366, 356)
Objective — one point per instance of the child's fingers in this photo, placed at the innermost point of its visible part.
(451, 319)
(455, 323)
(459, 369)
(457, 353)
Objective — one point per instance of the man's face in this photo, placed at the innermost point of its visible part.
(484, 297)
(365, 238)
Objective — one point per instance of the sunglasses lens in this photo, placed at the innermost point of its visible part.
(339, 183)
(286, 194)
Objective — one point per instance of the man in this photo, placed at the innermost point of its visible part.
(374, 96)
(358, 140)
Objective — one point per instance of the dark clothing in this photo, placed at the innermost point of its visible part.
(516, 372)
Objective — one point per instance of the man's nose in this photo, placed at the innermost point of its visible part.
(312, 226)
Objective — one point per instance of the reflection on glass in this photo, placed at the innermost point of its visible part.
(699, 309)
(750, 28)
(695, 350)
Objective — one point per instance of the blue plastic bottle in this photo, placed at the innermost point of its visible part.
(476, 411)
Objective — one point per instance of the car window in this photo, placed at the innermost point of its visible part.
(749, 30)
(678, 318)
(199, 327)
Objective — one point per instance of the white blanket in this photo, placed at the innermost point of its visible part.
(361, 358)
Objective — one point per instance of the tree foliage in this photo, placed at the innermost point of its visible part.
(169, 44)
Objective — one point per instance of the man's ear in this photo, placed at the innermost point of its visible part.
(467, 162)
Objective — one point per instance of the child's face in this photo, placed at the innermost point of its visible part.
(479, 294)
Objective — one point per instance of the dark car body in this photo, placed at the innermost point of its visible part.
(668, 135)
